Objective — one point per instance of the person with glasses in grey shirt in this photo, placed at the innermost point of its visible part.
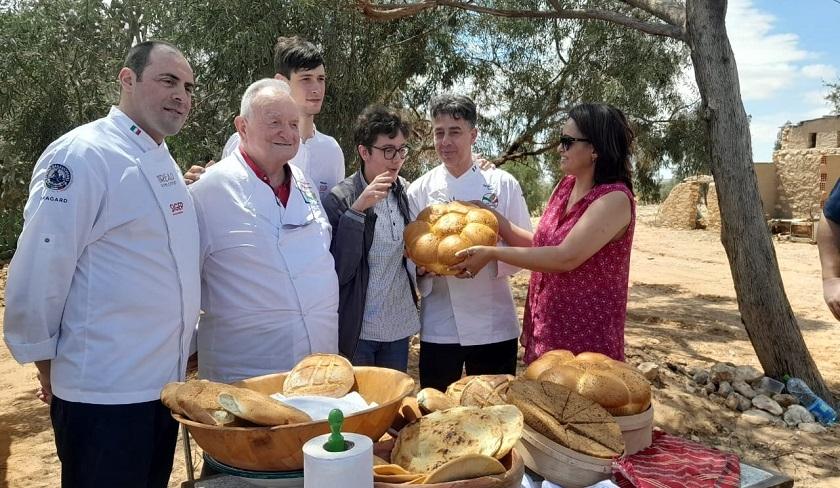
(377, 312)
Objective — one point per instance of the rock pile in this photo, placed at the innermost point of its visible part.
(760, 399)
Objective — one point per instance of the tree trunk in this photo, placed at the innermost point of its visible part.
(765, 310)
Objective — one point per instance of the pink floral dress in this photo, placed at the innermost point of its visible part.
(583, 309)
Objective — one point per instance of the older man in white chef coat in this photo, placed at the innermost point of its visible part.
(466, 323)
(102, 292)
(269, 288)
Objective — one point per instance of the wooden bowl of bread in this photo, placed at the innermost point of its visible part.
(269, 436)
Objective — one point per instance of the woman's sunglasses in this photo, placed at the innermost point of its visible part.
(567, 141)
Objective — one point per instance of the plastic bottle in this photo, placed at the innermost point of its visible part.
(821, 410)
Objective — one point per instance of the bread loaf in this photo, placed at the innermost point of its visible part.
(328, 375)
(456, 389)
(441, 230)
(260, 409)
(198, 399)
(486, 390)
(430, 400)
(567, 418)
(167, 397)
(616, 386)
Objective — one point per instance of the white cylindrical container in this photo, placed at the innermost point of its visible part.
(352, 468)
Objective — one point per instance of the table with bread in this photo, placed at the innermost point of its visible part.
(562, 413)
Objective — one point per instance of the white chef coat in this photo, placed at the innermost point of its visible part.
(478, 310)
(105, 280)
(319, 157)
(269, 289)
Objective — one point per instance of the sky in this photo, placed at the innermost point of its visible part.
(785, 51)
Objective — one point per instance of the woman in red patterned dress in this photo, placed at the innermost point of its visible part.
(580, 252)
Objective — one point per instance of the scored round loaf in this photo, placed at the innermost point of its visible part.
(615, 385)
(328, 375)
(443, 229)
(486, 390)
(567, 418)
(456, 389)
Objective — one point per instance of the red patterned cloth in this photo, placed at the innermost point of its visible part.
(583, 309)
(673, 462)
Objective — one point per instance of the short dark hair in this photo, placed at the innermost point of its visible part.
(138, 56)
(609, 133)
(455, 106)
(292, 54)
(376, 120)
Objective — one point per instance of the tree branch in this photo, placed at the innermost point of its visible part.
(522, 154)
(392, 12)
(670, 11)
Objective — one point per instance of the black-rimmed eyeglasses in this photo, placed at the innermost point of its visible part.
(567, 141)
(390, 152)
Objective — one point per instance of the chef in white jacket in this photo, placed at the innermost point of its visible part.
(269, 288)
(466, 321)
(103, 291)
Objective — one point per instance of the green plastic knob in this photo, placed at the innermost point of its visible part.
(335, 443)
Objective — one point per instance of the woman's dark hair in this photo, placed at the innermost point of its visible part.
(609, 133)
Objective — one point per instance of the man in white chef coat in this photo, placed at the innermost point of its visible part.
(269, 288)
(466, 321)
(300, 63)
(103, 291)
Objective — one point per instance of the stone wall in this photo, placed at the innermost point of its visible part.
(679, 210)
(827, 130)
(798, 174)
(768, 187)
(712, 208)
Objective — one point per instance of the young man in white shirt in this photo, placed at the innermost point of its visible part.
(102, 292)
(268, 285)
(300, 64)
(466, 321)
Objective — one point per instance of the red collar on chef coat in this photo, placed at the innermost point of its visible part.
(282, 191)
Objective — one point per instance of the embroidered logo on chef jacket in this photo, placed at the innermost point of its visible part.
(490, 199)
(177, 208)
(307, 193)
(58, 177)
(166, 179)
(322, 187)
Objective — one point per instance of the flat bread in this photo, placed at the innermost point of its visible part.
(465, 468)
(567, 418)
(327, 375)
(512, 421)
(433, 440)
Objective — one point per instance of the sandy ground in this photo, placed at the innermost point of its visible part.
(682, 312)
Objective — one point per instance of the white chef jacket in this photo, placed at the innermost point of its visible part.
(269, 289)
(105, 280)
(478, 310)
(319, 157)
